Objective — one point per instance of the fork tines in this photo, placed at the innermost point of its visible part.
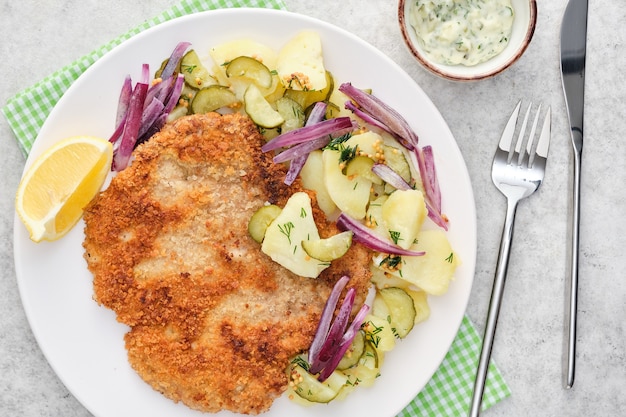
(540, 148)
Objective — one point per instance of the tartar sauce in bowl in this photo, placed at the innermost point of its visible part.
(462, 32)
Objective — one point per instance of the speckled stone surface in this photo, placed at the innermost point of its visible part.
(38, 38)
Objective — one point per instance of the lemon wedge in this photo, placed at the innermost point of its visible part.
(60, 183)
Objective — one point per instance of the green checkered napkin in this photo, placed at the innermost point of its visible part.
(447, 394)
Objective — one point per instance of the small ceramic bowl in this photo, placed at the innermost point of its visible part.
(521, 35)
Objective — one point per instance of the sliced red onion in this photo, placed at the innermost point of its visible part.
(431, 177)
(376, 123)
(369, 239)
(317, 115)
(294, 169)
(124, 100)
(133, 122)
(301, 150)
(338, 126)
(150, 114)
(117, 133)
(380, 111)
(436, 216)
(346, 342)
(143, 111)
(333, 338)
(432, 195)
(174, 95)
(391, 177)
(151, 130)
(174, 59)
(158, 90)
(335, 334)
(326, 318)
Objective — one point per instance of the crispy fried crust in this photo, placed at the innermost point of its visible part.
(213, 320)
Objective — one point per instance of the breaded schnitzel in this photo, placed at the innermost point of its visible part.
(213, 320)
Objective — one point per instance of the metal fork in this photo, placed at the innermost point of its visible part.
(517, 174)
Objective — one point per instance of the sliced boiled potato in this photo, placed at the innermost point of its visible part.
(351, 195)
(369, 144)
(284, 235)
(433, 271)
(300, 63)
(337, 100)
(374, 216)
(380, 307)
(328, 249)
(378, 332)
(309, 388)
(259, 109)
(224, 53)
(382, 279)
(307, 98)
(313, 180)
(404, 213)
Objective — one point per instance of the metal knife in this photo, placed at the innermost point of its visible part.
(573, 55)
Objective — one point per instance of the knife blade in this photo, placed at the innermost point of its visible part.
(573, 57)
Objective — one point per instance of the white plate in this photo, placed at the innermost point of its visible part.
(84, 343)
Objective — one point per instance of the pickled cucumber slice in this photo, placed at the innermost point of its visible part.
(362, 165)
(212, 98)
(292, 112)
(196, 74)
(157, 73)
(370, 357)
(259, 109)
(396, 160)
(332, 110)
(260, 220)
(328, 249)
(367, 368)
(250, 68)
(401, 310)
(354, 353)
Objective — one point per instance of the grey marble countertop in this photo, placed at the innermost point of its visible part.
(38, 38)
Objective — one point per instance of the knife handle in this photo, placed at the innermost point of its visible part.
(573, 290)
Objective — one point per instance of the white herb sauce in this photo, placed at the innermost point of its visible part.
(462, 32)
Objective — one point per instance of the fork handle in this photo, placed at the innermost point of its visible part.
(494, 307)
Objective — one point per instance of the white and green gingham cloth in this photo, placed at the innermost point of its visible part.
(448, 394)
